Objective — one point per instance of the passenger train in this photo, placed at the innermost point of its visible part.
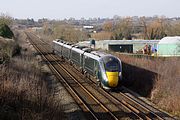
(106, 68)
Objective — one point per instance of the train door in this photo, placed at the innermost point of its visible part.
(97, 70)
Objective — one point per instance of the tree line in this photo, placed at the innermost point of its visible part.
(64, 31)
(143, 28)
(116, 29)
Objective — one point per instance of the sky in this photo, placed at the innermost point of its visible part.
(61, 9)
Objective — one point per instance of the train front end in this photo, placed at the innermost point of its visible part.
(112, 71)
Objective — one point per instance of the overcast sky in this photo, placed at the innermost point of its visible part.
(60, 9)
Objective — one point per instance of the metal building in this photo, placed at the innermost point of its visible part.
(169, 46)
(129, 46)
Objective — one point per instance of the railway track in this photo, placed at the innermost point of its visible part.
(131, 101)
(95, 102)
(93, 108)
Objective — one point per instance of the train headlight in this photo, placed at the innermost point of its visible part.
(119, 74)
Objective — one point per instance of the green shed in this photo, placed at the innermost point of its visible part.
(169, 46)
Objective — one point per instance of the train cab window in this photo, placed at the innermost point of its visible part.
(111, 64)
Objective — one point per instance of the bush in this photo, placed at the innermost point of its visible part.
(17, 49)
(5, 31)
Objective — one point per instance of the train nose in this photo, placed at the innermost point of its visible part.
(112, 78)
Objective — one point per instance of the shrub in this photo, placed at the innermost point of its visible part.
(5, 31)
(24, 93)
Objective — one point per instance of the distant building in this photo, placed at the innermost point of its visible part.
(166, 47)
(89, 28)
(36, 28)
(128, 46)
(169, 46)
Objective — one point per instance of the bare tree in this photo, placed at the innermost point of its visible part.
(108, 26)
(155, 29)
(173, 28)
(5, 19)
(144, 24)
(123, 29)
(64, 31)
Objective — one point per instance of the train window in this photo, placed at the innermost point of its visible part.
(89, 65)
(111, 64)
(76, 57)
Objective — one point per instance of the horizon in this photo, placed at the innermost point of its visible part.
(78, 9)
(91, 18)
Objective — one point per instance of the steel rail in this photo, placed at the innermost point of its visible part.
(97, 101)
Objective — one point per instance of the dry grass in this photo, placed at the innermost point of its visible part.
(102, 36)
(23, 91)
(166, 89)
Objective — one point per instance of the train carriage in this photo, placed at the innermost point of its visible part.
(90, 64)
(106, 68)
(66, 51)
(76, 56)
(113, 70)
(57, 47)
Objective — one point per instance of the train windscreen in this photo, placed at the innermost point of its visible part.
(111, 64)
